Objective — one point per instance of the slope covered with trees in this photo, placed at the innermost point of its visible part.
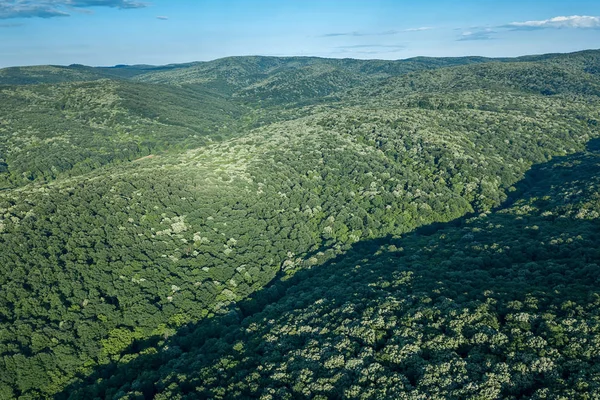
(140, 219)
(72, 128)
(502, 304)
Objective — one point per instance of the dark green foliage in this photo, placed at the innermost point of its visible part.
(500, 305)
(241, 228)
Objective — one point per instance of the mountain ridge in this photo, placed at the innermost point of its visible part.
(130, 71)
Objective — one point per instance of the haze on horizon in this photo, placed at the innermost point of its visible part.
(110, 32)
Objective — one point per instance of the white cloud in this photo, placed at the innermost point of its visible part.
(356, 33)
(485, 34)
(57, 8)
(383, 33)
(561, 22)
(422, 28)
(573, 21)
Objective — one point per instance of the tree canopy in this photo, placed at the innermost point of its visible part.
(264, 227)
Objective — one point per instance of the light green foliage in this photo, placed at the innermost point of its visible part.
(47, 131)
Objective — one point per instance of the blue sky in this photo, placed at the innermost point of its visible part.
(108, 32)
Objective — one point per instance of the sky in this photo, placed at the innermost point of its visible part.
(110, 32)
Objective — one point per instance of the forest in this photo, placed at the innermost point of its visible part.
(299, 227)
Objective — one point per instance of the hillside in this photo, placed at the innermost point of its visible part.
(202, 221)
(49, 130)
(48, 74)
(538, 78)
(236, 73)
(96, 116)
(502, 304)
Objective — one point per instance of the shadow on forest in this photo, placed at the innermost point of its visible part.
(438, 256)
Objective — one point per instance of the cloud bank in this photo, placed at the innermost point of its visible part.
(370, 48)
(384, 33)
(560, 22)
(573, 21)
(57, 8)
(104, 3)
(477, 35)
(356, 34)
(420, 29)
(373, 46)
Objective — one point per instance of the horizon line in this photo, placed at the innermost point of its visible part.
(295, 56)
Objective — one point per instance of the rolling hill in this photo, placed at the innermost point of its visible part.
(300, 227)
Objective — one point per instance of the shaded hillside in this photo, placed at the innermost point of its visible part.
(499, 305)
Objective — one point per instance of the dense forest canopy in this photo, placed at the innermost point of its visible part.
(297, 227)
